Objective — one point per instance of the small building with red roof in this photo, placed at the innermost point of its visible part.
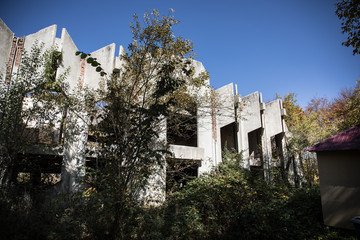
(339, 172)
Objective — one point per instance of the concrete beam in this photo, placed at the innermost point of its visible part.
(185, 152)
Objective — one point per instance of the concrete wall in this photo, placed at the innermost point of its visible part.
(5, 47)
(74, 151)
(251, 112)
(273, 118)
(339, 186)
(118, 63)
(206, 138)
(205, 124)
(105, 56)
(70, 60)
(46, 36)
(250, 119)
(224, 114)
(258, 122)
(274, 125)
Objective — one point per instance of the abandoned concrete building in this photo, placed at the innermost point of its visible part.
(244, 124)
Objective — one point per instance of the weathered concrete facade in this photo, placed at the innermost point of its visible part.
(250, 126)
(245, 124)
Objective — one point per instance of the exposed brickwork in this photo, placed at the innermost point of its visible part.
(11, 60)
(20, 47)
(82, 73)
(213, 121)
(15, 56)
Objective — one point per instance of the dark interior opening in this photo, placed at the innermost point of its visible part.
(182, 129)
(229, 137)
(179, 172)
(255, 145)
(276, 146)
(38, 169)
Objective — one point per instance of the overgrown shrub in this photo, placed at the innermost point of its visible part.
(228, 203)
(231, 203)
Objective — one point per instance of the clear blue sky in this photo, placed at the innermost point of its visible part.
(278, 46)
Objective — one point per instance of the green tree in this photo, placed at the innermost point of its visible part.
(306, 127)
(157, 74)
(30, 101)
(32, 105)
(233, 203)
(321, 119)
(346, 108)
(348, 12)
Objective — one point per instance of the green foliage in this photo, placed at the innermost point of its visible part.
(92, 61)
(156, 80)
(52, 219)
(349, 112)
(348, 12)
(320, 119)
(301, 129)
(30, 98)
(155, 71)
(53, 62)
(31, 101)
(228, 203)
(232, 203)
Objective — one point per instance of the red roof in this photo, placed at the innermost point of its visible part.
(346, 140)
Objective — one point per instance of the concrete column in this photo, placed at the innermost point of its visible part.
(74, 152)
(5, 47)
(155, 191)
(267, 163)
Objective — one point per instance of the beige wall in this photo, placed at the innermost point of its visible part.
(340, 186)
(5, 47)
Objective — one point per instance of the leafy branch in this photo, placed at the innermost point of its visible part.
(92, 61)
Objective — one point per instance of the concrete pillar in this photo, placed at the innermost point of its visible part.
(74, 152)
(6, 40)
(155, 191)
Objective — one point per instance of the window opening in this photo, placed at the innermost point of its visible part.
(179, 172)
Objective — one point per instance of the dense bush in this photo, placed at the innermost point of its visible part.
(231, 203)
(228, 203)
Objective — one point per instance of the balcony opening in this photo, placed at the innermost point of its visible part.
(229, 137)
(182, 129)
(51, 68)
(179, 172)
(276, 147)
(277, 154)
(255, 147)
(42, 134)
(38, 169)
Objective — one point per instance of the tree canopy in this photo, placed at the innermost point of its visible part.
(348, 12)
(320, 119)
(30, 102)
(128, 114)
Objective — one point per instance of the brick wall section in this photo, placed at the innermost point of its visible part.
(20, 47)
(82, 73)
(213, 121)
(11, 60)
(15, 56)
